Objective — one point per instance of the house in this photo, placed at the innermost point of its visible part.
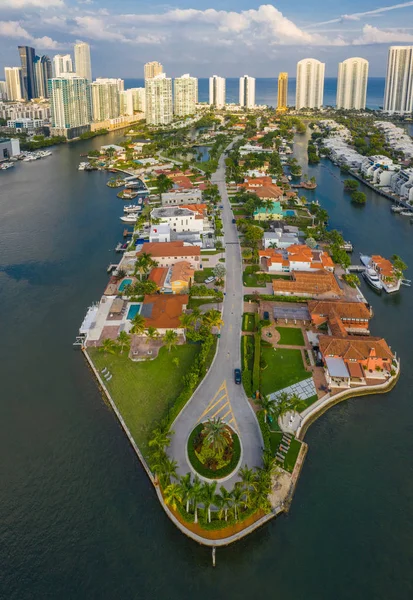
(173, 280)
(296, 257)
(166, 254)
(279, 238)
(163, 311)
(160, 233)
(179, 219)
(179, 197)
(311, 284)
(158, 276)
(342, 317)
(274, 213)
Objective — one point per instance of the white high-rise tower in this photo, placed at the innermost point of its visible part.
(352, 83)
(185, 95)
(82, 61)
(398, 94)
(217, 91)
(13, 76)
(62, 63)
(158, 100)
(310, 84)
(247, 91)
(105, 100)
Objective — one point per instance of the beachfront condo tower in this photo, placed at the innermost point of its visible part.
(217, 91)
(282, 95)
(185, 95)
(152, 69)
(352, 84)
(62, 64)
(13, 76)
(83, 65)
(310, 84)
(158, 100)
(70, 105)
(247, 91)
(105, 100)
(398, 93)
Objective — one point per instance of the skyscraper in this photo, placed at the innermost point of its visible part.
(3, 90)
(247, 91)
(158, 98)
(398, 93)
(126, 103)
(118, 82)
(217, 91)
(138, 99)
(282, 96)
(352, 83)
(43, 71)
(62, 63)
(105, 100)
(185, 95)
(310, 83)
(27, 56)
(13, 76)
(83, 65)
(70, 104)
(152, 69)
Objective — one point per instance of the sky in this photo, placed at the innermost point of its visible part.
(206, 37)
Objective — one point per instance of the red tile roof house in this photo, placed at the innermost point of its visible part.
(297, 257)
(166, 254)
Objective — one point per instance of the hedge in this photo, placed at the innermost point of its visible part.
(201, 469)
(246, 382)
(272, 298)
(265, 430)
(256, 367)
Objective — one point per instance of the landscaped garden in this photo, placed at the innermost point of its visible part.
(203, 274)
(290, 336)
(292, 454)
(248, 322)
(214, 449)
(283, 367)
(253, 279)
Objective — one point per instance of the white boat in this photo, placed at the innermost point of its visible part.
(131, 218)
(406, 213)
(396, 208)
(82, 166)
(365, 260)
(6, 165)
(132, 208)
(373, 279)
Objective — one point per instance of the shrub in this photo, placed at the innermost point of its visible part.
(265, 430)
(256, 367)
(246, 382)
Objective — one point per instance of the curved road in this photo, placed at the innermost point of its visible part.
(218, 395)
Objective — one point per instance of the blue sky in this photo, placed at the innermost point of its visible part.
(206, 37)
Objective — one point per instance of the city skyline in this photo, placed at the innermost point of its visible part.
(246, 37)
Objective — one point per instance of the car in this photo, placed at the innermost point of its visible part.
(234, 220)
(237, 376)
(209, 279)
(221, 206)
(266, 315)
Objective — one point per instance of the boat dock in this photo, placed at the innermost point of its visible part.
(111, 268)
(126, 233)
(356, 268)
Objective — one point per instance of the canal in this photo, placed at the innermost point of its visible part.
(79, 518)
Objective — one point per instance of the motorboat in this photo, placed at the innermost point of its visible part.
(406, 213)
(396, 208)
(131, 218)
(132, 208)
(82, 166)
(372, 279)
(365, 260)
(6, 165)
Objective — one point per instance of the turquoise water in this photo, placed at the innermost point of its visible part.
(133, 311)
(124, 283)
(289, 213)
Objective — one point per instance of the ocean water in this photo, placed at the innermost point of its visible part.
(266, 90)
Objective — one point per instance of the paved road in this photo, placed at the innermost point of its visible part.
(218, 395)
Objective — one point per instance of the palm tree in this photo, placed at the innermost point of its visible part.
(160, 439)
(216, 434)
(123, 340)
(196, 496)
(237, 500)
(138, 324)
(170, 339)
(213, 318)
(186, 320)
(247, 480)
(144, 264)
(151, 334)
(169, 470)
(208, 496)
(225, 502)
(267, 405)
(186, 490)
(173, 495)
(108, 346)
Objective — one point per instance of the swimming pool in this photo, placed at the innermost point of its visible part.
(124, 283)
(133, 310)
(289, 213)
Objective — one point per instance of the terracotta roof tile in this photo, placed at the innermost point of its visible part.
(164, 309)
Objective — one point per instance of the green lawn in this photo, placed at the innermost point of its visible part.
(291, 336)
(239, 211)
(195, 302)
(203, 274)
(308, 402)
(292, 454)
(259, 279)
(142, 391)
(248, 322)
(284, 367)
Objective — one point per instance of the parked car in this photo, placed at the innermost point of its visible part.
(221, 206)
(237, 376)
(266, 315)
(209, 279)
(234, 220)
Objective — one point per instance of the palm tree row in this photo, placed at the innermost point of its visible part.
(197, 323)
(283, 403)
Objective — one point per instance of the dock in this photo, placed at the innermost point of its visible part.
(356, 268)
(126, 233)
(111, 268)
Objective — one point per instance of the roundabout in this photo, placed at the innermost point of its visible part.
(214, 450)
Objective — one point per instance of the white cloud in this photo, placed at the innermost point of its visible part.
(373, 35)
(32, 4)
(357, 16)
(13, 29)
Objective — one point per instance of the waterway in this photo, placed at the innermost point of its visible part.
(78, 517)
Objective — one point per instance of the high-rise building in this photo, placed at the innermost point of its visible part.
(310, 84)
(247, 91)
(83, 65)
(282, 96)
(13, 76)
(3, 90)
(105, 100)
(62, 64)
(126, 103)
(352, 83)
(138, 99)
(158, 100)
(70, 103)
(120, 84)
(152, 69)
(398, 93)
(27, 56)
(217, 91)
(43, 71)
(185, 95)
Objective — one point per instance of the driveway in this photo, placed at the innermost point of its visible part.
(218, 395)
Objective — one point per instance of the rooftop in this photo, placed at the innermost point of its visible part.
(355, 347)
(160, 249)
(162, 311)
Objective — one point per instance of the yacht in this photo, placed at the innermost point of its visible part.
(132, 208)
(6, 165)
(82, 166)
(396, 208)
(131, 218)
(365, 260)
(406, 213)
(373, 279)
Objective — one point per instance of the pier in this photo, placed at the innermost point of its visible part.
(111, 267)
(356, 268)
